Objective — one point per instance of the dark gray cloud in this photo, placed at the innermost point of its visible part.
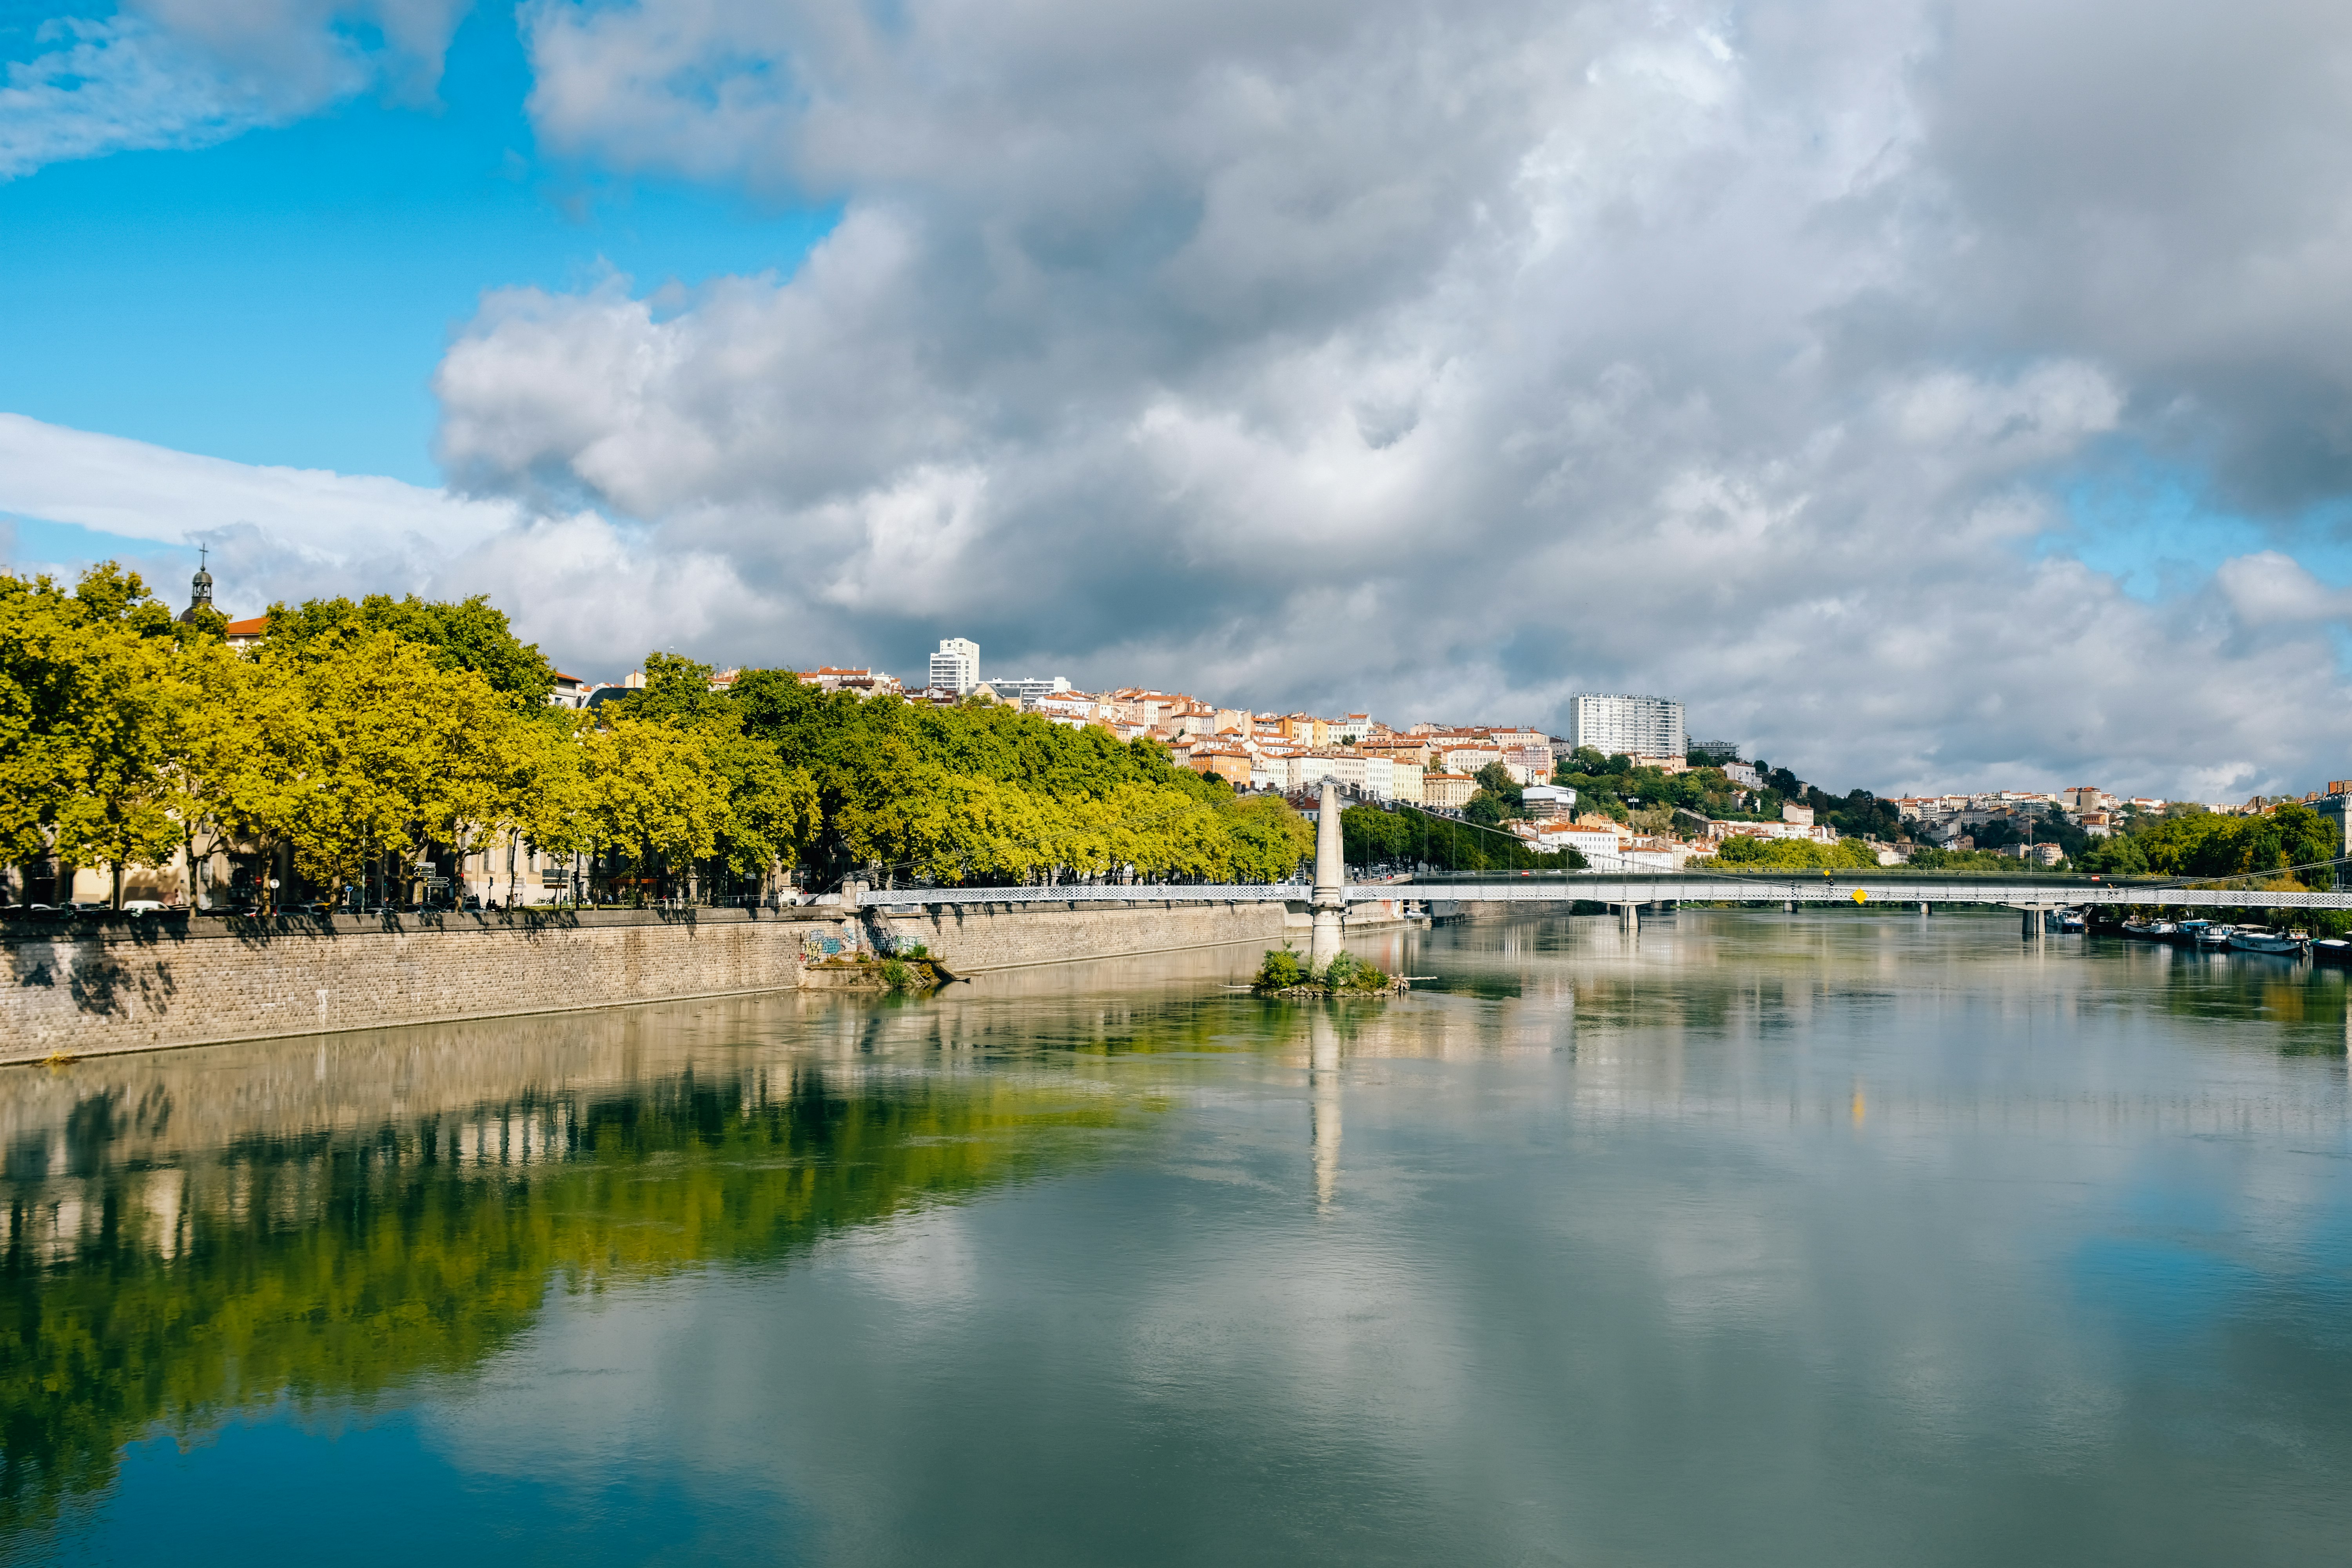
(1447, 362)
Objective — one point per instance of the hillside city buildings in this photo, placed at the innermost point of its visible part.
(1431, 766)
(1435, 766)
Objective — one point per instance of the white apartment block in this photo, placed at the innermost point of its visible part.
(1371, 777)
(1636, 726)
(1024, 689)
(956, 667)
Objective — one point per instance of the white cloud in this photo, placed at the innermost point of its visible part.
(142, 491)
(595, 593)
(188, 73)
(1302, 353)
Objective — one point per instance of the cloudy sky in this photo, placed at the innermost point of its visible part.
(1927, 394)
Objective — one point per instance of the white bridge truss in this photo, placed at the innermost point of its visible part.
(1661, 889)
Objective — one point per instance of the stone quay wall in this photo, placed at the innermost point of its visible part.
(94, 985)
(125, 983)
(968, 939)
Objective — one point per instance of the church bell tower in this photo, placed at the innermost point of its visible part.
(200, 586)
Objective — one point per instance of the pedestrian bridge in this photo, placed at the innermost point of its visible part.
(1551, 888)
(1329, 894)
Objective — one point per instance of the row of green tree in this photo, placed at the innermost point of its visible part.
(1648, 798)
(1747, 853)
(358, 731)
(2210, 844)
(1405, 837)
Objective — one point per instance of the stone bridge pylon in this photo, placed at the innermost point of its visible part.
(1331, 903)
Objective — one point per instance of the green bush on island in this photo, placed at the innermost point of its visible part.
(1283, 971)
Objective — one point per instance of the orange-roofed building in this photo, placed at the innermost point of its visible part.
(1226, 762)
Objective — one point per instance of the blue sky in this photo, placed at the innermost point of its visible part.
(284, 296)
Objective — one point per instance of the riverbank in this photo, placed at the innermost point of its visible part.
(93, 985)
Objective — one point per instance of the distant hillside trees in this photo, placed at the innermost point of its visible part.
(2220, 844)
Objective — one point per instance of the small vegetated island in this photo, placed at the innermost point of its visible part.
(1286, 974)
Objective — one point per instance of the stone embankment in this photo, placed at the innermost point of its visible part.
(967, 939)
(93, 985)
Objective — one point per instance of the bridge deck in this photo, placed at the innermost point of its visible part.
(1642, 889)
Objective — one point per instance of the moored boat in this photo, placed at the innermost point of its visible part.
(2211, 936)
(2184, 934)
(2331, 949)
(2279, 942)
(2072, 920)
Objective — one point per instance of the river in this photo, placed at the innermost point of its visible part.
(1755, 1239)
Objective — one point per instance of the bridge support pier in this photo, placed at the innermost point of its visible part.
(2034, 926)
(1923, 906)
(1629, 916)
(1788, 906)
(1330, 882)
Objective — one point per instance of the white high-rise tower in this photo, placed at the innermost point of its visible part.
(956, 666)
(1637, 726)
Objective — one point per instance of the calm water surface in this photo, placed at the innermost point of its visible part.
(1757, 1239)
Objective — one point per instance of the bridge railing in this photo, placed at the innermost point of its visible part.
(1129, 893)
(1656, 888)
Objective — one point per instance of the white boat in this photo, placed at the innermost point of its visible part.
(2278, 942)
(2331, 949)
(2212, 936)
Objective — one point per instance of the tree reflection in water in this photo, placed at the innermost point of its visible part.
(336, 1264)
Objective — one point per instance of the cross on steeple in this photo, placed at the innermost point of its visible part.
(200, 587)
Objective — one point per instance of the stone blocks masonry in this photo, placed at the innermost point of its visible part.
(90, 986)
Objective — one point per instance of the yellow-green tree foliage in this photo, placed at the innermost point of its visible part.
(1791, 854)
(360, 728)
(653, 792)
(358, 742)
(767, 812)
(99, 690)
(979, 793)
(2224, 844)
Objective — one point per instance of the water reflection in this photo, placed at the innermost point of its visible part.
(187, 1237)
(1323, 1066)
(1751, 1239)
